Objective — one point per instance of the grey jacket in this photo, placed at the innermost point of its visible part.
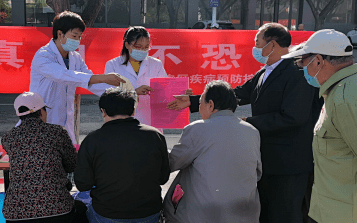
(220, 165)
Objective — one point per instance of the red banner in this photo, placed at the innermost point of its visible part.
(201, 55)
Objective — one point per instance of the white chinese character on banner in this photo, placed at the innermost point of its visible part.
(247, 77)
(8, 53)
(223, 77)
(170, 75)
(160, 53)
(197, 78)
(182, 75)
(223, 49)
(235, 78)
(208, 78)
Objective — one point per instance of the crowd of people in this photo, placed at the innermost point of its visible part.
(293, 161)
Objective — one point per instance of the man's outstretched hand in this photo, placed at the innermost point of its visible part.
(181, 102)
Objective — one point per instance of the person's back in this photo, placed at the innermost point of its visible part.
(219, 163)
(40, 155)
(126, 162)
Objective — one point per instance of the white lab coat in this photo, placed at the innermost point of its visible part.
(149, 68)
(57, 84)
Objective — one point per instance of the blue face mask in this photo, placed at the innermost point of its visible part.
(311, 80)
(258, 54)
(71, 44)
(139, 55)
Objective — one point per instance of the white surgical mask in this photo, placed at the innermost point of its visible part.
(139, 55)
(258, 54)
(70, 45)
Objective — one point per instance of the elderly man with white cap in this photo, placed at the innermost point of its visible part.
(327, 60)
(41, 155)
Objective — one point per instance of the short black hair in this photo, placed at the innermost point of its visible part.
(35, 114)
(132, 34)
(118, 101)
(222, 95)
(277, 32)
(66, 21)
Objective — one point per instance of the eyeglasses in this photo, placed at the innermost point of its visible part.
(141, 48)
(300, 61)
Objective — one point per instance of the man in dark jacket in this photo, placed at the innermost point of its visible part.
(284, 110)
(123, 163)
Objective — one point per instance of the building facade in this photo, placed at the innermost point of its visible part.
(182, 14)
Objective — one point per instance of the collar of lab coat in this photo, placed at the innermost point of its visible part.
(59, 56)
(143, 68)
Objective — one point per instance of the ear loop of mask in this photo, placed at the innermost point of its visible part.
(270, 52)
(319, 71)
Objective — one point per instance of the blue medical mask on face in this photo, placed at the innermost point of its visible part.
(139, 55)
(311, 80)
(71, 44)
(258, 54)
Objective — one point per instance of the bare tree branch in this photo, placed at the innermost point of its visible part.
(328, 8)
(314, 10)
(58, 6)
(227, 6)
(320, 16)
(91, 11)
(173, 6)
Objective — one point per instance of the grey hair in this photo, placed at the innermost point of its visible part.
(336, 60)
(339, 60)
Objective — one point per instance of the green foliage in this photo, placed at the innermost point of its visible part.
(156, 12)
(5, 11)
(36, 4)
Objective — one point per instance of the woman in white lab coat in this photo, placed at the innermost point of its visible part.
(135, 64)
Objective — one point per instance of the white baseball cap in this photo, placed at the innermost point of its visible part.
(326, 42)
(33, 101)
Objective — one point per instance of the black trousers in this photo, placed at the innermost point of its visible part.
(281, 198)
(307, 199)
(77, 215)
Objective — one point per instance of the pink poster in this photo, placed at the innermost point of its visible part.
(164, 89)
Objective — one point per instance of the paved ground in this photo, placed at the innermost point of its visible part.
(91, 120)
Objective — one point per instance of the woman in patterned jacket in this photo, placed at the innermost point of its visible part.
(40, 155)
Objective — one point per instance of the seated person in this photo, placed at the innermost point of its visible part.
(219, 162)
(125, 162)
(41, 155)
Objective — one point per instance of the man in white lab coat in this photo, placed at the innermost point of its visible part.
(57, 70)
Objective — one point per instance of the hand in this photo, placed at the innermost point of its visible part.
(181, 102)
(111, 79)
(244, 119)
(143, 90)
(189, 92)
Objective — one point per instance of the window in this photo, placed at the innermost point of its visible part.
(38, 13)
(5, 12)
(342, 13)
(289, 12)
(164, 13)
(264, 12)
(227, 10)
(157, 13)
(118, 12)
